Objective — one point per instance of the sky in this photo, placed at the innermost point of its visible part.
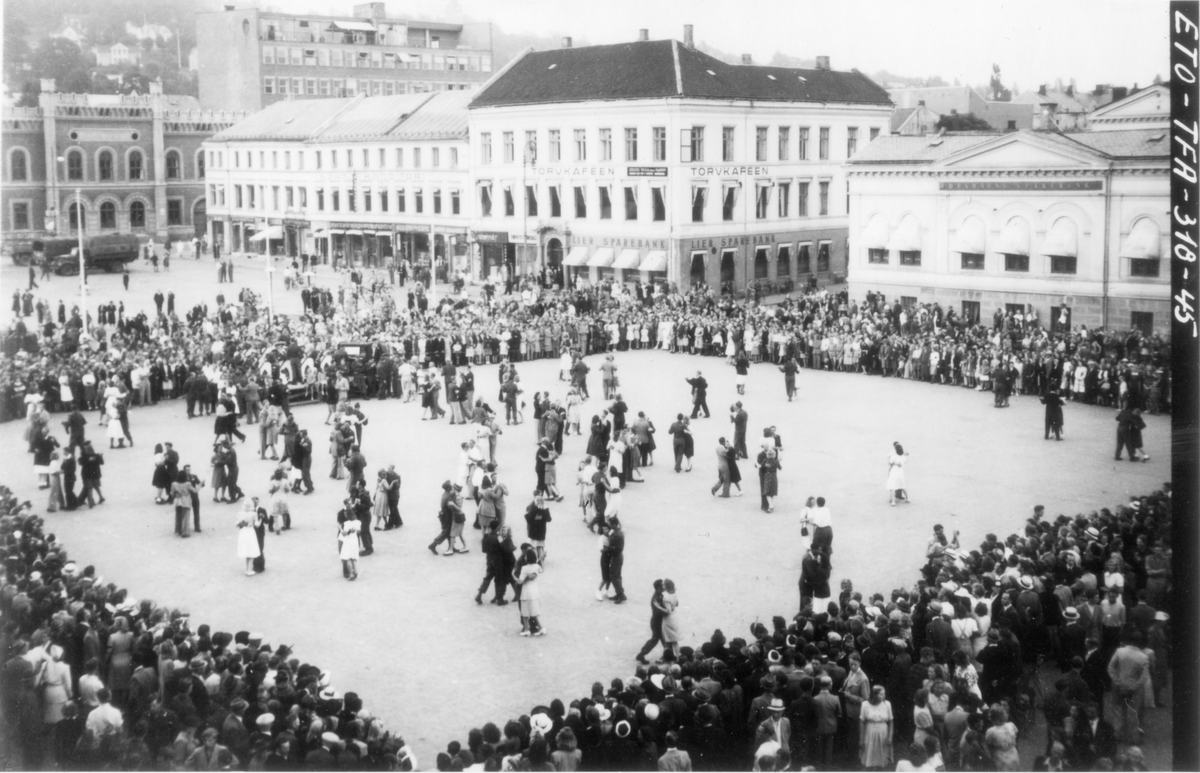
(1033, 41)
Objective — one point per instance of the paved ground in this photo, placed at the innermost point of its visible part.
(409, 639)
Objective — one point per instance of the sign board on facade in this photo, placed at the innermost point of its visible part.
(491, 237)
(127, 134)
(1024, 185)
(613, 241)
(646, 171)
(575, 171)
(749, 239)
(730, 171)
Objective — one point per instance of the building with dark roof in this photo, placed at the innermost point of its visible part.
(652, 160)
(249, 59)
(1071, 227)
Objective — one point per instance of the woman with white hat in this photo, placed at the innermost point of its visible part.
(247, 545)
(55, 681)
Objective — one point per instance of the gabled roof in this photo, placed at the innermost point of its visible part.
(442, 116)
(1127, 144)
(1114, 145)
(900, 115)
(664, 68)
(287, 120)
(1153, 100)
(370, 116)
(904, 149)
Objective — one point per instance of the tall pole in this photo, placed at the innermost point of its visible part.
(82, 260)
(269, 268)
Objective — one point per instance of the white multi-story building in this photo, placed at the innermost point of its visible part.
(1048, 221)
(653, 160)
(367, 178)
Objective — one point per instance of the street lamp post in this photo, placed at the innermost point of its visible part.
(269, 269)
(529, 154)
(82, 261)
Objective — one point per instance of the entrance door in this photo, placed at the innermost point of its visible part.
(699, 270)
(727, 271)
(200, 219)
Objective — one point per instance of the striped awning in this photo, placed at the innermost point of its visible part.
(627, 260)
(602, 258)
(656, 260)
(576, 257)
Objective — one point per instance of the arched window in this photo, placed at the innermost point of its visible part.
(137, 215)
(200, 164)
(173, 165)
(105, 165)
(108, 215)
(75, 165)
(76, 214)
(18, 166)
(136, 170)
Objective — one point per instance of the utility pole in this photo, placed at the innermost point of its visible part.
(82, 260)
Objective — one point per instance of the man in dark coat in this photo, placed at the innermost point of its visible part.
(302, 460)
(1054, 414)
(493, 551)
(739, 417)
(699, 395)
(1124, 421)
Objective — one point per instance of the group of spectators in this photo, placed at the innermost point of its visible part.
(1065, 619)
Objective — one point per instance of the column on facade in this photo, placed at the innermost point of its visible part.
(160, 180)
(50, 146)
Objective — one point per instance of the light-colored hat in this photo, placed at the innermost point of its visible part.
(540, 723)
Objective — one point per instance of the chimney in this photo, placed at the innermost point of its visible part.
(920, 103)
(643, 35)
(822, 63)
(566, 42)
(747, 59)
(687, 36)
(1100, 89)
(1070, 91)
(1042, 90)
(1119, 93)
(48, 85)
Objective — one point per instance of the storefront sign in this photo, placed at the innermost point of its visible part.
(104, 135)
(295, 223)
(523, 238)
(389, 227)
(610, 241)
(730, 171)
(1025, 185)
(491, 237)
(746, 239)
(575, 171)
(646, 171)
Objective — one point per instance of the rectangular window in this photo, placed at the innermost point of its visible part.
(310, 86)
(297, 56)
(762, 198)
(580, 201)
(803, 259)
(237, 196)
(320, 199)
(874, 134)
(20, 216)
(824, 198)
(631, 204)
(323, 87)
(606, 144)
(509, 151)
(510, 206)
(268, 85)
(699, 199)
(530, 151)
(455, 203)
(785, 137)
(416, 158)
(1016, 262)
(297, 85)
(1060, 264)
(435, 157)
(785, 190)
(250, 192)
(910, 257)
(485, 147)
(320, 153)
(851, 141)
(485, 200)
(970, 312)
(303, 197)
(289, 197)
(555, 145)
(382, 158)
(1142, 321)
(555, 201)
(174, 212)
(398, 161)
(366, 196)
(1143, 267)
(274, 159)
(454, 158)
(268, 55)
(729, 202)
(823, 150)
(581, 144)
(400, 202)
(728, 133)
(366, 158)
(876, 255)
(972, 261)
(631, 145)
(802, 148)
(437, 201)
(335, 200)
(823, 256)
(697, 143)
(660, 204)
(349, 158)
(352, 200)
(605, 202)
(760, 143)
(660, 143)
(531, 202)
(418, 201)
(336, 55)
(783, 261)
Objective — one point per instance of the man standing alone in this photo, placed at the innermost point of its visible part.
(739, 417)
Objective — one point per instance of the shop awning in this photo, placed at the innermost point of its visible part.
(628, 260)
(907, 237)
(1144, 241)
(1014, 239)
(875, 237)
(655, 261)
(337, 231)
(576, 257)
(1061, 241)
(384, 233)
(271, 232)
(354, 232)
(970, 237)
(602, 258)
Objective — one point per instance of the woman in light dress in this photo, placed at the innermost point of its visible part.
(526, 577)
(897, 488)
(348, 547)
(281, 513)
(57, 500)
(247, 544)
(55, 680)
(574, 401)
(380, 508)
(1001, 739)
(587, 471)
(670, 623)
(875, 741)
(564, 364)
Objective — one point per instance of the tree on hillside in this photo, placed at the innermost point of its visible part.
(963, 122)
(998, 92)
(62, 60)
